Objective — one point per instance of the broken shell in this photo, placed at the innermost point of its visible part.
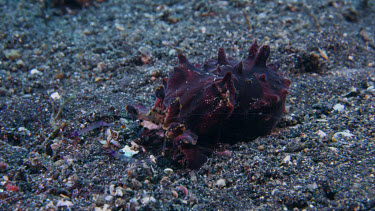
(185, 190)
(175, 194)
(148, 199)
(168, 171)
(119, 192)
(112, 189)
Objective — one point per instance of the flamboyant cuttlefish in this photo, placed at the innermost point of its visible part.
(223, 100)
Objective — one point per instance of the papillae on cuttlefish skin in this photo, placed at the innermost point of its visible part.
(223, 100)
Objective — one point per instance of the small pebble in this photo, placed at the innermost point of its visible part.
(119, 27)
(333, 149)
(337, 135)
(20, 63)
(129, 190)
(312, 187)
(55, 96)
(109, 198)
(287, 159)
(35, 72)
(321, 134)
(365, 36)
(86, 32)
(339, 107)
(12, 54)
(62, 203)
(23, 130)
(59, 75)
(97, 79)
(148, 199)
(221, 183)
(37, 51)
(60, 55)
(59, 163)
(323, 54)
(203, 29)
(172, 52)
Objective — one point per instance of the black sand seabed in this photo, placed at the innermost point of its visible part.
(321, 155)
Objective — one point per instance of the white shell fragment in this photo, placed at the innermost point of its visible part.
(337, 135)
(128, 152)
(35, 72)
(24, 131)
(55, 96)
(339, 107)
(62, 203)
(287, 160)
(221, 183)
(321, 134)
(168, 171)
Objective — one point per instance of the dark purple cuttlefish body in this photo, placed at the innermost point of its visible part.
(223, 100)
